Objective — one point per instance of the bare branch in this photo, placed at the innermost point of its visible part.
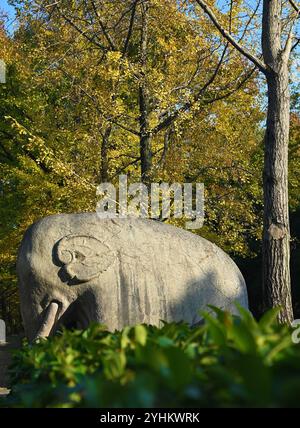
(256, 61)
(230, 16)
(101, 112)
(295, 44)
(130, 27)
(82, 32)
(172, 117)
(288, 44)
(295, 6)
(197, 69)
(165, 147)
(250, 20)
(237, 87)
(105, 32)
(125, 167)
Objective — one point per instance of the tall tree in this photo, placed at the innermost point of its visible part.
(277, 42)
(159, 52)
(70, 116)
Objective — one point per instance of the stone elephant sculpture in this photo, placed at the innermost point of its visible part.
(74, 269)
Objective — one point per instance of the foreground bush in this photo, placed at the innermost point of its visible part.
(228, 361)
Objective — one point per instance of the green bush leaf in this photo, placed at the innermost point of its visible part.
(228, 361)
(140, 334)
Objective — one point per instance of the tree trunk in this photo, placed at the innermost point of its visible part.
(104, 156)
(276, 233)
(276, 236)
(145, 137)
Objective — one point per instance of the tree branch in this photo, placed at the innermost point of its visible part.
(106, 117)
(106, 34)
(294, 6)
(83, 33)
(130, 27)
(288, 44)
(249, 21)
(125, 167)
(28, 153)
(295, 44)
(256, 61)
(172, 117)
(232, 91)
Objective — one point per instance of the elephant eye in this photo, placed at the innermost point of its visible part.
(79, 256)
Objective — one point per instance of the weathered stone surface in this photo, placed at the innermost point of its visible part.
(121, 272)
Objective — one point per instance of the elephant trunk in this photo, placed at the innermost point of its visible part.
(48, 321)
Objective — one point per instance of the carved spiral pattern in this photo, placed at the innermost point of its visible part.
(83, 257)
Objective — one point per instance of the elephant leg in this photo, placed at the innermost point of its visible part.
(48, 321)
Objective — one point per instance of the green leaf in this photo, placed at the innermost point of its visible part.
(242, 337)
(216, 329)
(140, 334)
(269, 318)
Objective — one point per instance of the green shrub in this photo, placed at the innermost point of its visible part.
(228, 361)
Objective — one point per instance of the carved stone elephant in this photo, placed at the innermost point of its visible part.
(77, 268)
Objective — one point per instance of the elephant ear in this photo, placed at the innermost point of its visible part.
(83, 257)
